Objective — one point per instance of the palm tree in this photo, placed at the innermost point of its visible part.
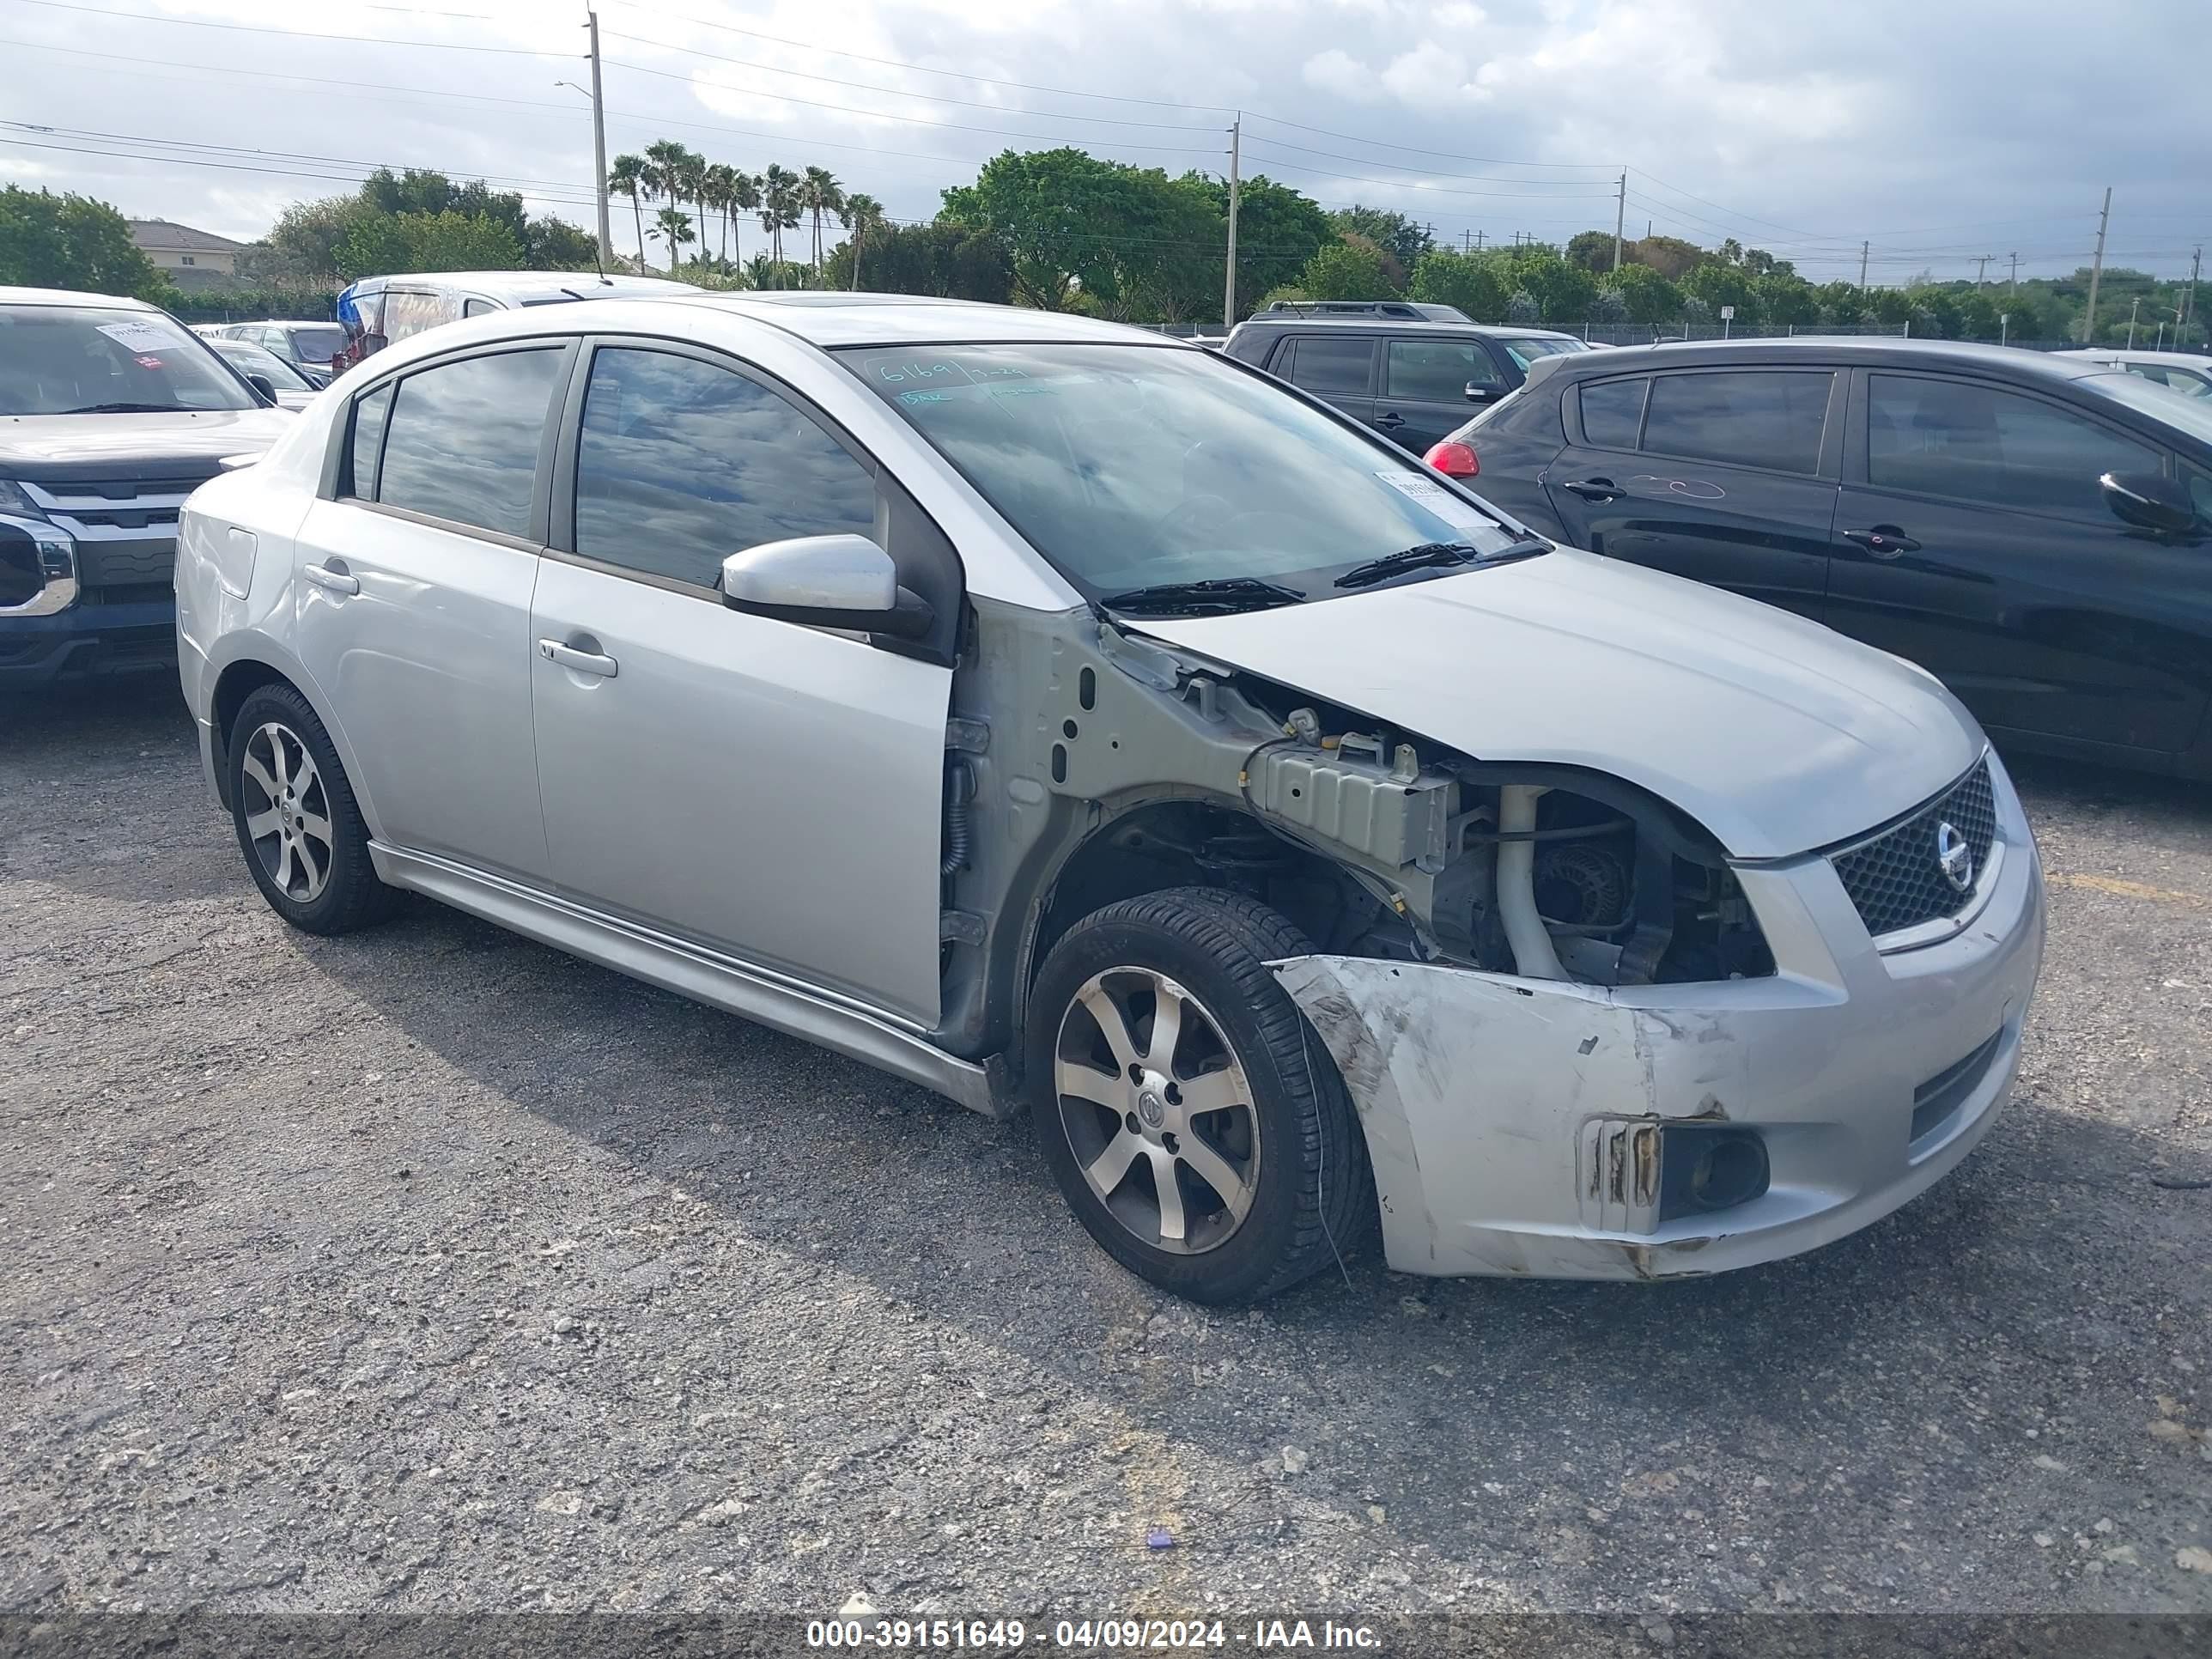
(818, 193)
(779, 210)
(665, 162)
(628, 176)
(692, 181)
(861, 214)
(721, 184)
(745, 197)
(676, 225)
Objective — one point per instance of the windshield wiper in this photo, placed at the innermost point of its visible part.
(1221, 594)
(1428, 554)
(127, 408)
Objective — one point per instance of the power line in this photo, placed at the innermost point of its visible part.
(303, 34)
(1408, 184)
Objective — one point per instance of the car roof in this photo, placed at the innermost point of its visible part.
(1871, 351)
(2195, 360)
(290, 322)
(842, 319)
(1399, 325)
(525, 285)
(64, 296)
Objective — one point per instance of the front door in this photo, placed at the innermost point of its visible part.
(413, 593)
(770, 791)
(1423, 397)
(1973, 538)
(1723, 476)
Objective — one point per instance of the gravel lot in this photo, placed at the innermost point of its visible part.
(432, 1270)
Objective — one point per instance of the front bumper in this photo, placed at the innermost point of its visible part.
(1515, 1125)
(88, 638)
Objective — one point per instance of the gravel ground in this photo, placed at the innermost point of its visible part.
(431, 1270)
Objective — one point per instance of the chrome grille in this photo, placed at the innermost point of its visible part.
(119, 509)
(1896, 877)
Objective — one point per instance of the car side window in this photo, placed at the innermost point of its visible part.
(1341, 365)
(369, 416)
(1437, 371)
(2200, 490)
(1978, 443)
(1770, 418)
(1613, 413)
(410, 311)
(681, 462)
(476, 307)
(462, 438)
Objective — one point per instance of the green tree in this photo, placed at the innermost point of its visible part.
(551, 244)
(1394, 233)
(1785, 298)
(453, 240)
(1609, 306)
(1468, 280)
(1670, 256)
(1718, 285)
(863, 216)
(1278, 229)
(1648, 296)
(819, 193)
(1563, 292)
(674, 223)
(1592, 249)
(1127, 237)
(1524, 310)
(946, 260)
(374, 243)
(71, 242)
(628, 176)
(1351, 268)
(779, 210)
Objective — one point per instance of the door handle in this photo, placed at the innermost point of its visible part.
(1884, 540)
(1390, 420)
(337, 580)
(1594, 490)
(583, 662)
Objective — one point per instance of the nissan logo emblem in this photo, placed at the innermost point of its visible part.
(1953, 857)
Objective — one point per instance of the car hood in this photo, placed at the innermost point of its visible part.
(132, 445)
(1777, 734)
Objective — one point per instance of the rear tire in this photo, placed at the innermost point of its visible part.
(298, 824)
(1231, 1165)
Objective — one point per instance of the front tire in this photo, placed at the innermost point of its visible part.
(1196, 1125)
(305, 841)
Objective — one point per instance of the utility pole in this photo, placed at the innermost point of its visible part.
(1619, 216)
(1982, 267)
(1229, 280)
(1477, 242)
(2188, 305)
(2135, 310)
(1467, 242)
(600, 151)
(1863, 264)
(2097, 272)
(2013, 286)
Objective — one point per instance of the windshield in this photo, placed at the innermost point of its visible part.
(251, 359)
(2192, 415)
(316, 346)
(1525, 350)
(87, 360)
(1135, 466)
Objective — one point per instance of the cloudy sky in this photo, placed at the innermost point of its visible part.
(1935, 130)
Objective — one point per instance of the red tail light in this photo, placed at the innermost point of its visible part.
(1454, 460)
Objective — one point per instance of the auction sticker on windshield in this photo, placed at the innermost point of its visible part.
(138, 337)
(1440, 501)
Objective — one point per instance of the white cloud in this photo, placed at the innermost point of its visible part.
(1338, 72)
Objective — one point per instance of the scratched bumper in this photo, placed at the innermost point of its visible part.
(1516, 1125)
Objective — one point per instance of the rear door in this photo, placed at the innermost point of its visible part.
(1423, 395)
(1338, 367)
(1726, 476)
(1973, 538)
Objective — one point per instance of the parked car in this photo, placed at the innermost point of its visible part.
(1412, 379)
(285, 384)
(2032, 528)
(2187, 371)
(111, 412)
(1299, 842)
(380, 311)
(307, 348)
(1414, 311)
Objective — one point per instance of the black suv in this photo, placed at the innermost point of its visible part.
(2035, 530)
(1410, 378)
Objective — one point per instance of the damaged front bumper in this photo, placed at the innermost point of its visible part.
(1521, 1125)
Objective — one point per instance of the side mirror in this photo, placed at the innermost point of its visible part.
(264, 385)
(2150, 500)
(825, 581)
(1477, 392)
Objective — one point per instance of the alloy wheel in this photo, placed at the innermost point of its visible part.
(289, 826)
(1158, 1110)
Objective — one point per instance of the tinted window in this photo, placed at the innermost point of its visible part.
(1772, 418)
(1338, 366)
(2186, 381)
(251, 359)
(463, 440)
(1613, 413)
(369, 416)
(1128, 466)
(1976, 443)
(1437, 371)
(1526, 351)
(681, 463)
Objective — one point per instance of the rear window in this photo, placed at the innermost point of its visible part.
(1339, 365)
(90, 360)
(1613, 413)
(317, 345)
(462, 440)
(1771, 418)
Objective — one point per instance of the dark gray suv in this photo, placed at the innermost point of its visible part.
(1412, 379)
